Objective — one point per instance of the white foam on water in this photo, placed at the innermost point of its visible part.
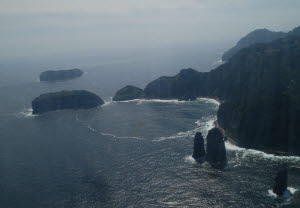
(26, 113)
(112, 135)
(190, 159)
(91, 128)
(204, 127)
(173, 101)
(186, 134)
(257, 153)
(272, 194)
(198, 123)
(141, 101)
(108, 102)
(292, 190)
(209, 100)
(171, 203)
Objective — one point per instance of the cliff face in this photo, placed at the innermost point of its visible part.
(262, 100)
(77, 99)
(60, 75)
(257, 36)
(260, 87)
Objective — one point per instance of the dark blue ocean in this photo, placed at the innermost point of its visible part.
(122, 154)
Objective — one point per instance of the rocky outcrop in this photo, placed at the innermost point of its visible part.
(199, 151)
(216, 151)
(129, 93)
(280, 186)
(257, 36)
(60, 75)
(77, 99)
(186, 85)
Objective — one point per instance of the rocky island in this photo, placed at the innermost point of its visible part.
(76, 99)
(60, 75)
(129, 93)
(260, 92)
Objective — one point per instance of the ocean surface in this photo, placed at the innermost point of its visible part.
(122, 154)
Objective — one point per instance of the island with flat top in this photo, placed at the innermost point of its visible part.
(76, 99)
(60, 75)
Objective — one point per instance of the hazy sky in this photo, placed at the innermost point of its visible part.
(37, 27)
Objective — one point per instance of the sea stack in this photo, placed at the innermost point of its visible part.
(216, 151)
(76, 99)
(280, 186)
(199, 151)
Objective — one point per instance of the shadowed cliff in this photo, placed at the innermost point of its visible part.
(260, 90)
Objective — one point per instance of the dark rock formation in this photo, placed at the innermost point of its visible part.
(280, 185)
(216, 151)
(257, 36)
(260, 87)
(77, 99)
(129, 93)
(60, 75)
(199, 151)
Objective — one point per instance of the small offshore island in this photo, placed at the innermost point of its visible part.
(60, 75)
(76, 99)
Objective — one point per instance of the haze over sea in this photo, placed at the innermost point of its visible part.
(123, 154)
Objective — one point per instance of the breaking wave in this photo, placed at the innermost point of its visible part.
(256, 153)
(203, 126)
(26, 113)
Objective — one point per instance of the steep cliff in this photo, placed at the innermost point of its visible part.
(260, 90)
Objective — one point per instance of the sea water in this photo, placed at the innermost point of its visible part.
(123, 154)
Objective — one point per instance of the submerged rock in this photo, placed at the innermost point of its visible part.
(280, 186)
(199, 151)
(60, 75)
(76, 99)
(129, 93)
(216, 151)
